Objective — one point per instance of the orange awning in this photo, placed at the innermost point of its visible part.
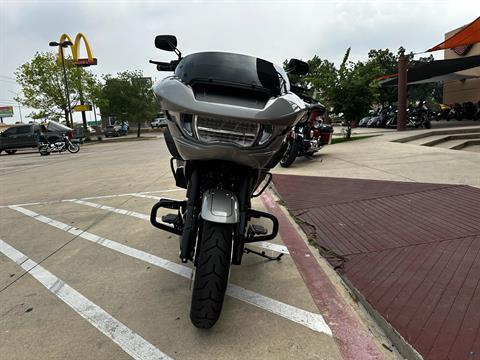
(470, 34)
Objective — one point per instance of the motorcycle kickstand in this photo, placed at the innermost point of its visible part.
(262, 254)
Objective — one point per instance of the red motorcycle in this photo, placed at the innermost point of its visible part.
(307, 136)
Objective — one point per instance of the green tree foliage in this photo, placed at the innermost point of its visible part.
(353, 88)
(127, 97)
(43, 86)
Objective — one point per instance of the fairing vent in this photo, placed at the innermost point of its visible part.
(231, 95)
(226, 131)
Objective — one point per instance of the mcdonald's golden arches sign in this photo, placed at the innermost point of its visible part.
(90, 60)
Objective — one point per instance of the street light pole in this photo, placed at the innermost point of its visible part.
(66, 83)
(64, 45)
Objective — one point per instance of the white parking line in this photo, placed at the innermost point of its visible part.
(261, 244)
(130, 342)
(112, 209)
(139, 194)
(308, 319)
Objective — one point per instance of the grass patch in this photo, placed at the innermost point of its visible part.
(353, 138)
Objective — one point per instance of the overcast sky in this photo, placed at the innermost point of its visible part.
(121, 33)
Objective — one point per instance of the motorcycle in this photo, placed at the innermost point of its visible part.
(309, 135)
(65, 144)
(227, 116)
(420, 116)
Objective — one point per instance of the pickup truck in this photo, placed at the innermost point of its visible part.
(25, 136)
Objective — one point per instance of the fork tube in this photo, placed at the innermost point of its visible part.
(189, 233)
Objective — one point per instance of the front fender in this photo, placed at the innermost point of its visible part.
(220, 206)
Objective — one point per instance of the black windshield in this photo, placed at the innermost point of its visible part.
(230, 69)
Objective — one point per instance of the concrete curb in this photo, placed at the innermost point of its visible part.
(437, 132)
(114, 141)
(351, 336)
(402, 345)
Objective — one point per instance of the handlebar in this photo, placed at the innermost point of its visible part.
(165, 66)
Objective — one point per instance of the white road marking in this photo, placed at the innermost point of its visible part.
(112, 209)
(147, 196)
(140, 194)
(261, 244)
(308, 319)
(130, 342)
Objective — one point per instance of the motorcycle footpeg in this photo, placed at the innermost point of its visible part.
(170, 219)
(169, 204)
(258, 229)
(254, 236)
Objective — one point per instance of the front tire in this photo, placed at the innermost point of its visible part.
(211, 275)
(290, 154)
(73, 148)
(10, 152)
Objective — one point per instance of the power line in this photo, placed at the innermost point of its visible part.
(8, 77)
(10, 81)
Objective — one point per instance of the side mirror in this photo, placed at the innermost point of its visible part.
(297, 67)
(166, 42)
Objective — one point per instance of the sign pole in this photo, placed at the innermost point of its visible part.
(20, 112)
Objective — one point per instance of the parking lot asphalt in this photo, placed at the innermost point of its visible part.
(83, 274)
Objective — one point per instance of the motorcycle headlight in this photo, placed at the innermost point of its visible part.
(209, 129)
(187, 123)
(267, 131)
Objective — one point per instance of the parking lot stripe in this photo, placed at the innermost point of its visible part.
(308, 319)
(262, 244)
(112, 209)
(139, 194)
(130, 342)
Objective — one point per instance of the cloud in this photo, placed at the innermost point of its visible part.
(121, 33)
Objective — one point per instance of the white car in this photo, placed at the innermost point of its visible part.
(158, 122)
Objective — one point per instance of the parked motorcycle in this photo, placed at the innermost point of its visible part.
(420, 116)
(309, 135)
(443, 112)
(65, 144)
(227, 116)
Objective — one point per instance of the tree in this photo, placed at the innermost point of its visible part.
(386, 63)
(354, 91)
(350, 89)
(43, 86)
(127, 97)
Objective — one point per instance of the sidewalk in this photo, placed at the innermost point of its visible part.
(378, 158)
(409, 248)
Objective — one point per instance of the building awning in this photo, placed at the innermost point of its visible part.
(436, 69)
(470, 34)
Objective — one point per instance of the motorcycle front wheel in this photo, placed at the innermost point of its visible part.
(211, 275)
(290, 154)
(73, 148)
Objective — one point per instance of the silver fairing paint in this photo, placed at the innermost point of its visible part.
(282, 112)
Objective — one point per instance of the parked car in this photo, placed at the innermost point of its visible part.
(158, 122)
(26, 136)
(112, 130)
